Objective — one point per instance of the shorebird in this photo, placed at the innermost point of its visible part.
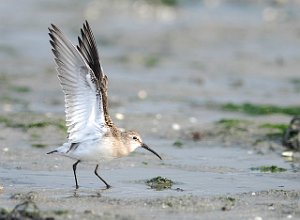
(92, 135)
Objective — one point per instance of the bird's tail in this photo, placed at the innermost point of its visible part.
(61, 150)
(51, 152)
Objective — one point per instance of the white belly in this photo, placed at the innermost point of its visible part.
(89, 151)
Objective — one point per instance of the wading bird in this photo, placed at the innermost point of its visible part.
(92, 135)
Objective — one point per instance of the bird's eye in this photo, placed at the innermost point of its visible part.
(134, 138)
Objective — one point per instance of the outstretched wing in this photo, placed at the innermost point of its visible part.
(83, 99)
(88, 49)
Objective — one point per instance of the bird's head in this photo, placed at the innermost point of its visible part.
(134, 140)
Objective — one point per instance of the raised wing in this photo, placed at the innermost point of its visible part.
(83, 99)
(88, 49)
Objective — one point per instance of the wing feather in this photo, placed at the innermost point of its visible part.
(88, 49)
(83, 100)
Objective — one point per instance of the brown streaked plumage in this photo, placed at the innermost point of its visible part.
(92, 135)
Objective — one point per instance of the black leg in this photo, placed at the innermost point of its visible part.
(74, 169)
(96, 169)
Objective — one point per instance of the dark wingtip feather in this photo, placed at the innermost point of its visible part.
(52, 43)
(50, 34)
(86, 26)
(88, 48)
(54, 27)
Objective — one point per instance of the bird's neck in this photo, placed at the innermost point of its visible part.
(119, 145)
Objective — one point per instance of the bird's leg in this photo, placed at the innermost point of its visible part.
(96, 169)
(74, 170)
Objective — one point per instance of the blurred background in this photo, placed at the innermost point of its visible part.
(170, 61)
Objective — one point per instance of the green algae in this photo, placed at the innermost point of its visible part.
(178, 144)
(271, 169)
(231, 123)
(275, 130)
(159, 183)
(9, 122)
(261, 109)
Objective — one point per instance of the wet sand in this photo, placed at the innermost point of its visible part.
(170, 67)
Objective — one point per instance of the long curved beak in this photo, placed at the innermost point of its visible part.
(145, 146)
